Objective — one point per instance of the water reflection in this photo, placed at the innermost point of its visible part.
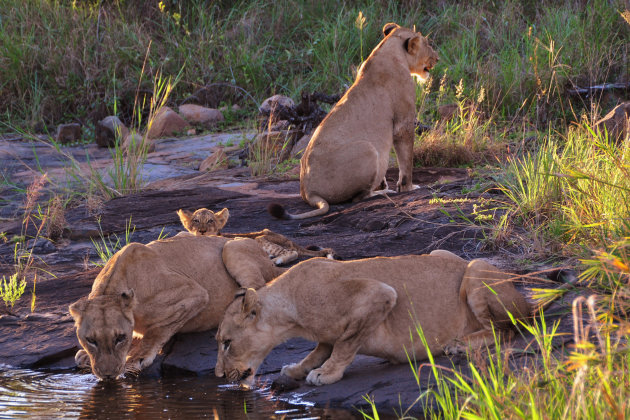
(29, 394)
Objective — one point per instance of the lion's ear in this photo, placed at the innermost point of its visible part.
(412, 45)
(389, 27)
(184, 217)
(250, 302)
(77, 308)
(222, 217)
(127, 300)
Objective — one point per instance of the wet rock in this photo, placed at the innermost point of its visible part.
(166, 123)
(217, 160)
(616, 123)
(197, 114)
(272, 102)
(68, 133)
(191, 353)
(108, 130)
(300, 146)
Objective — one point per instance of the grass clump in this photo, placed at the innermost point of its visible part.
(574, 190)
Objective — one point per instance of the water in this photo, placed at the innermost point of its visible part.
(44, 395)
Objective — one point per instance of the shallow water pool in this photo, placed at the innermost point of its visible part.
(33, 394)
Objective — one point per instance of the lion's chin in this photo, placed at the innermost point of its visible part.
(421, 77)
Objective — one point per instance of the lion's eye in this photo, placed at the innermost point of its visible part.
(91, 342)
(120, 338)
(195, 220)
(226, 344)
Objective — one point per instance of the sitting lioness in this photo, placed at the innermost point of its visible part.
(278, 247)
(370, 306)
(348, 154)
(181, 284)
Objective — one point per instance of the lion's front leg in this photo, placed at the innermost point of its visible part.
(403, 145)
(310, 362)
(170, 316)
(82, 359)
(369, 311)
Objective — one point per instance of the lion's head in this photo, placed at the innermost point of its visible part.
(105, 330)
(243, 338)
(420, 56)
(203, 222)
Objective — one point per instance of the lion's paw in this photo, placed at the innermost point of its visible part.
(82, 359)
(294, 370)
(317, 377)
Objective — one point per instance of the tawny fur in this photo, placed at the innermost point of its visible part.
(348, 154)
(370, 306)
(182, 284)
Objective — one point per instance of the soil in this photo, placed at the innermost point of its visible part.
(431, 217)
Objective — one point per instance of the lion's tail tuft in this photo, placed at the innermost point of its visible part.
(277, 211)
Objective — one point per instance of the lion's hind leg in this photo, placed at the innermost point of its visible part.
(374, 301)
(494, 302)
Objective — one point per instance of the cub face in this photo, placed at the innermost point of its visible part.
(243, 340)
(203, 222)
(420, 56)
(105, 331)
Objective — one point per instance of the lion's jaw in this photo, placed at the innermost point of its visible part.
(423, 61)
(244, 340)
(105, 331)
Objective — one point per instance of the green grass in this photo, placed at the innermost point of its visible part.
(64, 60)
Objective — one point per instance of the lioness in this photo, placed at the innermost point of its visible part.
(181, 284)
(278, 247)
(366, 306)
(348, 154)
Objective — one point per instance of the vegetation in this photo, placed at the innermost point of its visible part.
(497, 101)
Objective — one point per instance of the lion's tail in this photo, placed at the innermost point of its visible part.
(278, 211)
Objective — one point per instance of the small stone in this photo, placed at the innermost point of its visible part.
(197, 114)
(616, 123)
(270, 103)
(108, 129)
(68, 133)
(300, 146)
(217, 160)
(133, 142)
(166, 123)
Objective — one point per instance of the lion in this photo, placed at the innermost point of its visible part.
(348, 154)
(370, 306)
(278, 247)
(181, 284)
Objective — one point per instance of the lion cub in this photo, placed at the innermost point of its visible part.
(281, 249)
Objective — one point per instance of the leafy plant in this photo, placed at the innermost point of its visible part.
(11, 289)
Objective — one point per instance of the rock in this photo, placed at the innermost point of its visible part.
(300, 146)
(68, 133)
(108, 129)
(616, 123)
(448, 112)
(166, 122)
(133, 142)
(41, 246)
(197, 114)
(217, 160)
(270, 103)
(280, 125)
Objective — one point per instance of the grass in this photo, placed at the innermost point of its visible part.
(518, 51)
(106, 247)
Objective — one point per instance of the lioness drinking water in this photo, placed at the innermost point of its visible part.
(371, 306)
